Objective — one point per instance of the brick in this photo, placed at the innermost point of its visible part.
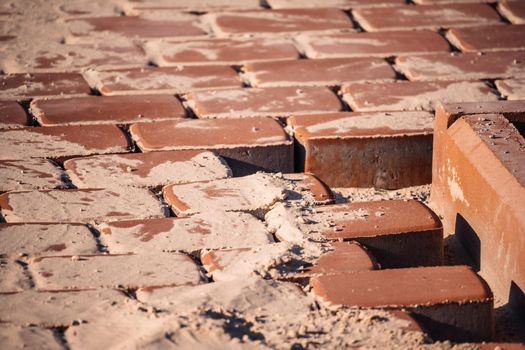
(56, 309)
(195, 5)
(12, 115)
(12, 277)
(160, 80)
(79, 205)
(254, 193)
(384, 150)
(145, 169)
(325, 72)
(106, 110)
(512, 89)
(260, 102)
(435, 2)
(108, 271)
(467, 66)
(452, 302)
(26, 86)
(13, 337)
(514, 11)
(344, 4)
(62, 141)
(417, 95)
(194, 233)
(30, 174)
(488, 38)
(247, 145)
(383, 44)
(429, 17)
(221, 51)
(30, 240)
(478, 188)
(501, 346)
(278, 21)
(307, 188)
(134, 26)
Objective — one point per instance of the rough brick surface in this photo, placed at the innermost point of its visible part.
(488, 38)
(29, 174)
(25, 86)
(13, 337)
(512, 89)
(13, 277)
(345, 4)
(12, 115)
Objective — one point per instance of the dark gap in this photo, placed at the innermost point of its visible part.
(355, 23)
(168, 211)
(391, 60)
(520, 126)
(60, 335)
(96, 234)
(132, 146)
(502, 18)
(235, 326)
(469, 239)
(94, 92)
(492, 85)
(152, 64)
(451, 47)
(264, 4)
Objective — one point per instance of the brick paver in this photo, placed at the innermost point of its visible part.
(488, 38)
(12, 115)
(30, 174)
(31, 85)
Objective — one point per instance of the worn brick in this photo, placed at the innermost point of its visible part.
(61, 141)
(278, 21)
(514, 11)
(106, 110)
(79, 205)
(512, 89)
(260, 102)
(30, 174)
(194, 233)
(325, 72)
(145, 169)
(500, 346)
(417, 95)
(46, 239)
(247, 145)
(25, 86)
(134, 26)
(467, 66)
(436, 2)
(427, 17)
(307, 188)
(194, 5)
(13, 278)
(452, 302)
(13, 337)
(221, 51)
(371, 44)
(12, 115)
(384, 150)
(344, 4)
(488, 38)
(159, 80)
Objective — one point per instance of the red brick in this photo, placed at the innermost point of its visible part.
(184, 234)
(221, 51)
(145, 169)
(478, 188)
(501, 346)
(26, 86)
(325, 72)
(246, 144)
(488, 38)
(452, 302)
(512, 89)
(467, 66)
(109, 271)
(514, 11)
(62, 141)
(371, 44)
(428, 17)
(194, 5)
(46, 239)
(133, 26)
(171, 80)
(275, 21)
(344, 4)
(29, 174)
(436, 2)
(308, 187)
(12, 115)
(106, 110)
(406, 96)
(260, 102)
(80, 206)
(384, 150)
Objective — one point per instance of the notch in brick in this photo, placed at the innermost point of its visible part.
(488, 38)
(383, 150)
(12, 115)
(23, 86)
(452, 302)
(247, 145)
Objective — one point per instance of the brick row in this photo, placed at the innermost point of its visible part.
(26, 86)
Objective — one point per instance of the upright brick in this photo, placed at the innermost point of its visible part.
(512, 89)
(53, 142)
(260, 102)
(162, 80)
(467, 66)
(150, 169)
(371, 44)
(247, 145)
(417, 95)
(427, 17)
(452, 302)
(106, 110)
(25, 86)
(12, 115)
(514, 11)
(488, 38)
(79, 205)
(385, 150)
(325, 72)
(32, 173)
